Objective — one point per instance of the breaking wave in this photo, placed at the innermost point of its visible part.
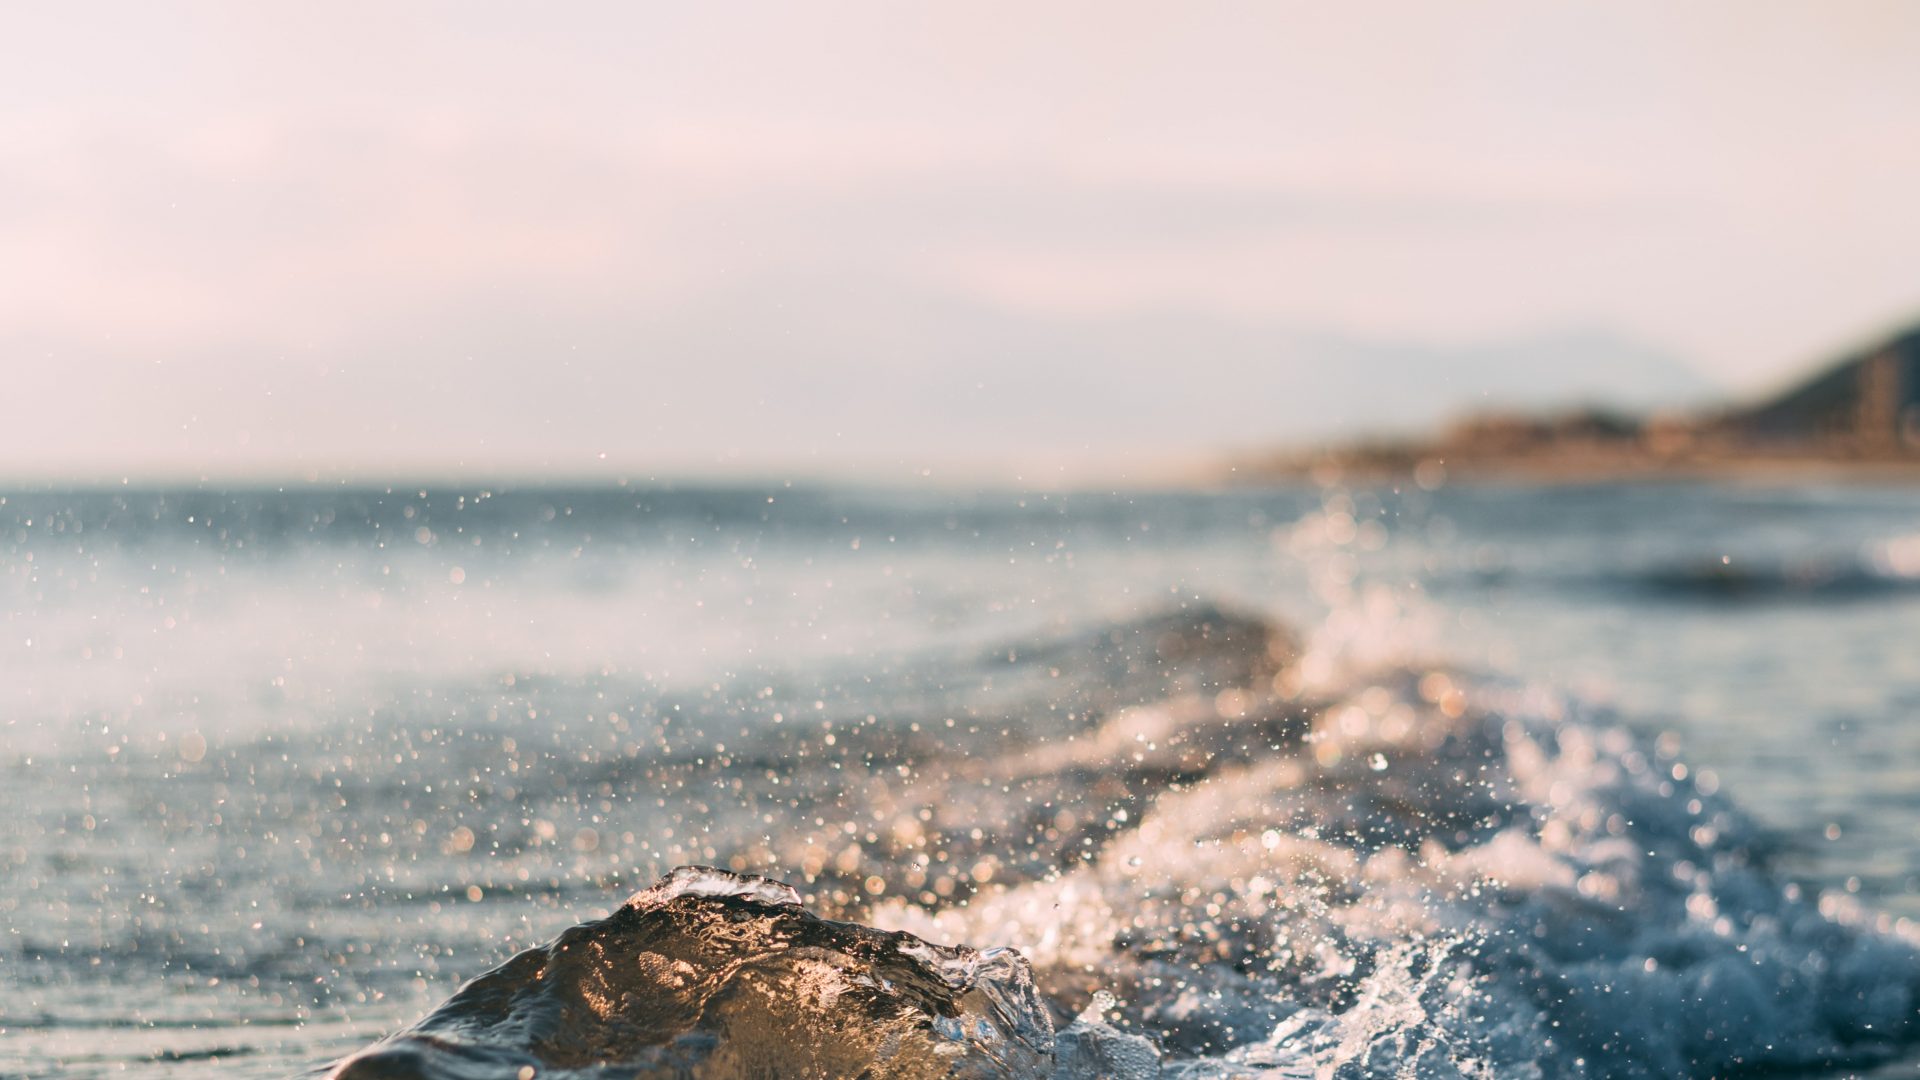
(1418, 873)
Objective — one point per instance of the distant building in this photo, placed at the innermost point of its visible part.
(1869, 401)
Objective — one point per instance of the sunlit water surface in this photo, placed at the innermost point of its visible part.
(279, 770)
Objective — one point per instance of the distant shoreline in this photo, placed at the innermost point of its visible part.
(1857, 420)
(1436, 466)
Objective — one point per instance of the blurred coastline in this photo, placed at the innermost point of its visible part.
(1858, 417)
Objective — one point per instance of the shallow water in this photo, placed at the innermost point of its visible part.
(1476, 779)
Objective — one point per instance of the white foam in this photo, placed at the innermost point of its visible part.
(1518, 891)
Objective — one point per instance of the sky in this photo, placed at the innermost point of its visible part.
(1010, 240)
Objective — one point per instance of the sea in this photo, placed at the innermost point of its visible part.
(1425, 779)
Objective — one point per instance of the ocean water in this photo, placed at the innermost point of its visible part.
(1477, 781)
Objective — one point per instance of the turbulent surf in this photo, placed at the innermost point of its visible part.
(1426, 876)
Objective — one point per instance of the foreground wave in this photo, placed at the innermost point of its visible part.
(1402, 873)
(712, 974)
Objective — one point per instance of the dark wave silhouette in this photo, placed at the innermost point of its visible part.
(711, 974)
(1809, 580)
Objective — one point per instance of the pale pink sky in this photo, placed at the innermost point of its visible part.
(386, 239)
